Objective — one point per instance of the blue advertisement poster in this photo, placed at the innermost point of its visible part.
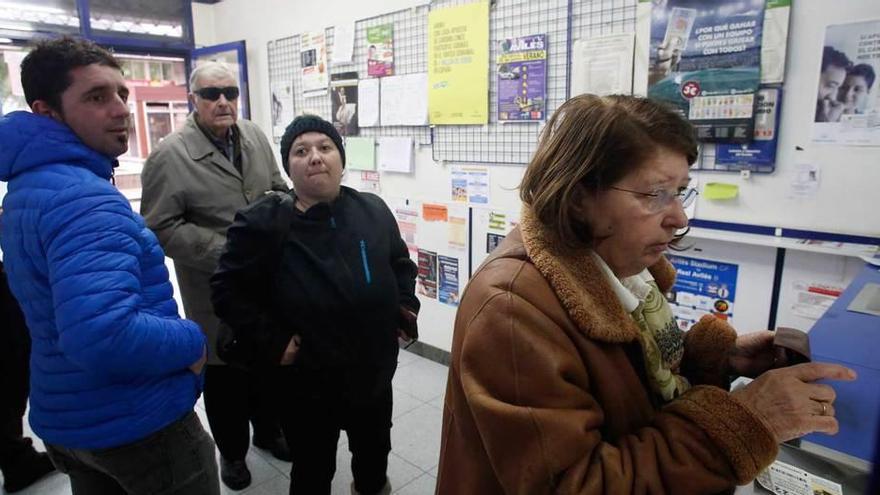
(759, 154)
(705, 60)
(522, 78)
(448, 280)
(701, 287)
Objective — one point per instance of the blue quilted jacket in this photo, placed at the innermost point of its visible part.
(110, 356)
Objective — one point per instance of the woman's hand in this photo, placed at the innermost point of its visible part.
(753, 354)
(291, 351)
(790, 404)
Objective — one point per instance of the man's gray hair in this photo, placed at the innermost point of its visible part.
(211, 69)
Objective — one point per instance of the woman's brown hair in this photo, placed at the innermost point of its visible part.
(593, 142)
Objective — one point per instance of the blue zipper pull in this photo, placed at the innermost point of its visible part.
(332, 222)
(364, 259)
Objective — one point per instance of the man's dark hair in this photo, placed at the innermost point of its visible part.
(863, 70)
(45, 71)
(836, 58)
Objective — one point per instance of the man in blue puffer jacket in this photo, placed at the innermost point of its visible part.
(115, 371)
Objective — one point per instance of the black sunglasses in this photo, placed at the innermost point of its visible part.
(213, 94)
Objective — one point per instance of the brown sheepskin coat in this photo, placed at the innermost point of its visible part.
(547, 390)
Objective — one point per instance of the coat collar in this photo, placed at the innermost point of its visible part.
(201, 149)
(581, 286)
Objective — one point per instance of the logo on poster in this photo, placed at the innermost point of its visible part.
(690, 89)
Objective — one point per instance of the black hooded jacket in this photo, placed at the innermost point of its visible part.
(336, 275)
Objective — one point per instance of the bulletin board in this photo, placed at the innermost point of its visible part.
(410, 57)
(843, 206)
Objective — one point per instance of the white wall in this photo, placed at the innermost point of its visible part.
(258, 22)
(203, 24)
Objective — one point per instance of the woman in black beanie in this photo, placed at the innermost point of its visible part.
(319, 282)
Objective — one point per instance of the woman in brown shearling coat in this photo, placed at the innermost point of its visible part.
(569, 374)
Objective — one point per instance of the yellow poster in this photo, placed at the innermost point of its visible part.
(458, 64)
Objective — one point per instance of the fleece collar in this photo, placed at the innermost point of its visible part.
(581, 285)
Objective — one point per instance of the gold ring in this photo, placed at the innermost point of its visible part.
(824, 409)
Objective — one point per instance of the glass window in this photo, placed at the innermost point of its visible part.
(159, 125)
(155, 71)
(138, 70)
(161, 20)
(55, 16)
(11, 92)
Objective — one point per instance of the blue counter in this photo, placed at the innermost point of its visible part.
(852, 339)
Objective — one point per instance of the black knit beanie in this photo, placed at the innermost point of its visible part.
(309, 123)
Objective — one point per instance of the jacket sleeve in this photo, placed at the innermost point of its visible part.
(707, 348)
(543, 430)
(163, 206)
(93, 252)
(239, 286)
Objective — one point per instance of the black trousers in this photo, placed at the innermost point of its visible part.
(233, 398)
(15, 349)
(316, 407)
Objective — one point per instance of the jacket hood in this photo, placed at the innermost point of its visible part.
(28, 141)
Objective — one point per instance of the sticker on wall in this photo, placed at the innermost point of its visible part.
(701, 287)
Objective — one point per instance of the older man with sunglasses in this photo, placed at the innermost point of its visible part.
(193, 183)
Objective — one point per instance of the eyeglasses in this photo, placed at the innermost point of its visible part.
(661, 199)
(213, 94)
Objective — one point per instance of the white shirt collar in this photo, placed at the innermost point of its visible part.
(630, 290)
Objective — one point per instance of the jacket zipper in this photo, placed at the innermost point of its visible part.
(364, 259)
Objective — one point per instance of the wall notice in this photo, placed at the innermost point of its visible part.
(458, 60)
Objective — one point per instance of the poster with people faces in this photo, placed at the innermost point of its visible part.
(380, 50)
(705, 60)
(847, 106)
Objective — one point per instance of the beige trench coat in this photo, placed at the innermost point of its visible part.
(190, 195)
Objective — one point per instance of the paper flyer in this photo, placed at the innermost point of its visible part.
(775, 41)
(701, 287)
(370, 182)
(458, 61)
(785, 479)
(458, 230)
(313, 63)
(427, 279)
(847, 105)
(459, 187)
(380, 50)
(435, 212)
(282, 107)
(407, 218)
(760, 152)
(521, 68)
(448, 293)
(603, 65)
(705, 59)
(344, 103)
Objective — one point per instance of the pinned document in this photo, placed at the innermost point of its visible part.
(396, 154)
(360, 153)
(368, 97)
(404, 100)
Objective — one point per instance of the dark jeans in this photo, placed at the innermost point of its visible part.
(233, 397)
(315, 407)
(178, 459)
